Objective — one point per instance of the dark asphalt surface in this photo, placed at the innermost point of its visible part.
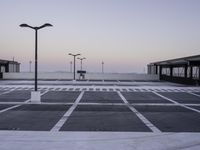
(16, 96)
(101, 117)
(196, 107)
(2, 91)
(104, 118)
(4, 106)
(101, 97)
(60, 96)
(143, 97)
(181, 97)
(32, 117)
(171, 118)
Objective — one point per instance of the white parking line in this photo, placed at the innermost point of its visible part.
(6, 92)
(194, 94)
(44, 92)
(9, 108)
(15, 106)
(61, 122)
(179, 104)
(139, 115)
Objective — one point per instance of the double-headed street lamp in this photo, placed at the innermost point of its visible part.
(74, 55)
(81, 61)
(36, 56)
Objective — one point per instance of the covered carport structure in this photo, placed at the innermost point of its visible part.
(185, 70)
(8, 66)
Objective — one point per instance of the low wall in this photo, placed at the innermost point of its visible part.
(91, 76)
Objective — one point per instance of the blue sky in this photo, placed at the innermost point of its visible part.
(125, 34)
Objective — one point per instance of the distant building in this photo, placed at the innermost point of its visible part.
(184, 70)
(9, 66)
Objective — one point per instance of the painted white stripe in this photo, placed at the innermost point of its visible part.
(61, 122)
(194, 94)
(148, 88)
(44, 92)
(102, 104)
(9, 108)
(166, 98)
(20, 103)
(6, 92)
(192, 104)
(179, 104)
(139, 115)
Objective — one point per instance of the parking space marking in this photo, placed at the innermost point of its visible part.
(9, 108)
(104, 104)
(18, 104)
(44, 92)
(6, 92)
(139, 115)
(61, 122)
(194, 94)
(182, 105)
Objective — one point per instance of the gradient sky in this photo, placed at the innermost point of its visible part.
(125, 34)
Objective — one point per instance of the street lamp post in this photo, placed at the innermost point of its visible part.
(30, 65)
(102, 67)
(71, 66)
(36, 45)
(74, 55)
(81, 59)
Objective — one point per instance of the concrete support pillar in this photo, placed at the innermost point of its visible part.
(160, 72)
(199, 72)
(156, 69)
(6, 68)
(171, 71)
(185, 71)
(191, 72)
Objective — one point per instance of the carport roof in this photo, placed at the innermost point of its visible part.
(191, 60)
(8, 62)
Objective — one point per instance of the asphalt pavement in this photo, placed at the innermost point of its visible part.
(99, 115)
(101, 109)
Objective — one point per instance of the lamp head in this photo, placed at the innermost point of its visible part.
(44, 25)
(24, 25)
(48, 25)
(81, 58)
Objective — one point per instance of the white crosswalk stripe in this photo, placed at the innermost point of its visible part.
(103, 88)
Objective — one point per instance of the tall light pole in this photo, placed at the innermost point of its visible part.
(71, 66)
(81, 59)
(74, 55)
(36, 45)
(30, 62)
(102, 67)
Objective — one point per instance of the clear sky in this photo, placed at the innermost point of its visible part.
(125, 34)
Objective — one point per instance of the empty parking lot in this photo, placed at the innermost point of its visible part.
(101, 108)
